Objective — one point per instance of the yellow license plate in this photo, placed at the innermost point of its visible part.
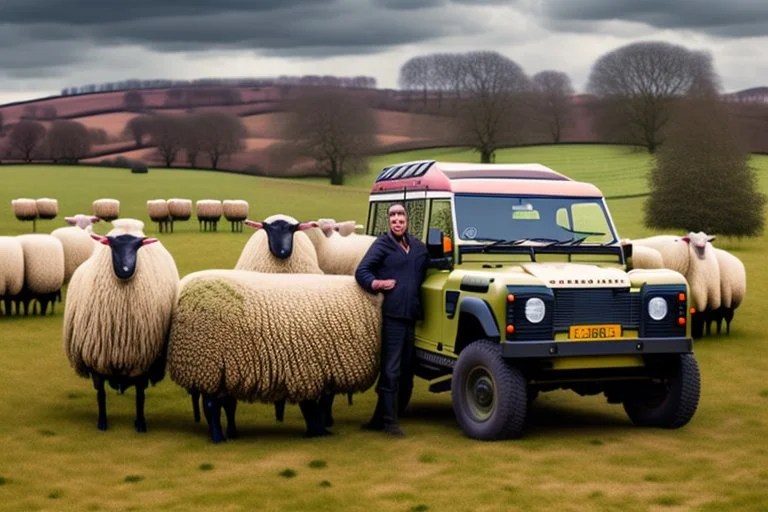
(595, 332)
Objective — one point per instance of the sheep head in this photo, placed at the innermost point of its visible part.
(82, 221)
(280, 230)
(124, 252)
(698, 241)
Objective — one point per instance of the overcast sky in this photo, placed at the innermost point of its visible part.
(46, 45)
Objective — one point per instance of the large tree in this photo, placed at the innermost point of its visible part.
(25, 138)
(332, 126)
(166, 133)
(417, 74)
(702, 180)
(68, 141)
(222, 136)
(552, 94)
(638, 85)
(138, 127)
(494, 110)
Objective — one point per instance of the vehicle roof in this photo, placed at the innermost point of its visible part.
(530, 178)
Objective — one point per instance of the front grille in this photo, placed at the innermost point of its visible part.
(585, 306)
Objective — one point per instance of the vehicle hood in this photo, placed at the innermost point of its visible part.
(577, 275)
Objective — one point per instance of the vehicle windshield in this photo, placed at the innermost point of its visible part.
(520, 219)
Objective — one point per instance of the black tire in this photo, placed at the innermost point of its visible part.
(489, 396)
(670, 402)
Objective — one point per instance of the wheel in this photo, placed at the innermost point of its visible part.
(489, 396)
(670, 402)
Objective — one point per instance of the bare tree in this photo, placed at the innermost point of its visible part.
(25, 138)
(494, 111)
(552, 90)
(638, 86)
(334, 127)
(417, 74)
(450, 72)
(166, 133)
(133, 101)
(223, 135)
(138, 128)
(68, 141)
(193, 137)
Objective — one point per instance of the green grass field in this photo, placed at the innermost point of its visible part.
(578, 453)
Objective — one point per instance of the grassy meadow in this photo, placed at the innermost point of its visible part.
(578, 453)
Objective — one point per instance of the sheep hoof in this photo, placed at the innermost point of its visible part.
(141, 426)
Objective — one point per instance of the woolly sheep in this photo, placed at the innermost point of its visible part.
(24, 208)
(43, 271)
(117, 314)
(337, 254)
(733, 286)
(235, 211)
(106, 209)
(208, 214)
(673, 251)
(646, 257)
(11, 270)
(158, 212)
(77, 245)
(180, 209)
(703, 278)
(258, 254)
(252, 336)
(84, 222)
(47, 208)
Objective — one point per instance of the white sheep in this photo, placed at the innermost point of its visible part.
(235, 211)
(646, 257)
(733, 286)
(208, 214)
(47, 208)
(106, 209)
(252, 336)
(157, 209)
(674, 251)
(25, 209)
(11, 271)
(76, 241)
(117, 314)
(336, 253)
(43, 272)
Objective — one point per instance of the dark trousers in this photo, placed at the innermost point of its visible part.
(396, 366)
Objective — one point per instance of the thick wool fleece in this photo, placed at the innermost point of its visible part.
(673, 251)
(235, 209)
(11, 266)
(47, 208)
(646, 257)
(126, 226)
(703, 278)
(78, 247)
(338, 254)
(733, 279)
(180, 209)
(268, 337)
(43, 263)
(257, 258)
(157, 209)
(119, 328)
(106, 208)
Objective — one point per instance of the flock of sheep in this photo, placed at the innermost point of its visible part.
(209, 212)
(717, 279)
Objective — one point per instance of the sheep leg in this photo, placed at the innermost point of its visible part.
(697, 325)
(101, 399)
(728, 316)
(280, 410)
(349, 398)
(313, 416)
(230, 407)
(212, 409)
(196, 404)
(141, 422)
(326, 409)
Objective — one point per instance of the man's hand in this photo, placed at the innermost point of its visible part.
(383, 284)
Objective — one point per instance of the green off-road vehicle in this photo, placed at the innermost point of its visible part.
(530, 290)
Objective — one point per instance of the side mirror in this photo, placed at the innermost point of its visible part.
(436, 247)
(626, 250)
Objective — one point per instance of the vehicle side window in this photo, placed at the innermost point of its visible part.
(589, 219)
(416, 213)
(561, 217)
(441, 217)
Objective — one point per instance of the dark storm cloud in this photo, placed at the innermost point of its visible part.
(724, 18)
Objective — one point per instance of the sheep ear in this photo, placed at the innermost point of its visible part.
(94, 219)
(70, 220)
(148, 241)
(686, 239)
(253, 224)
(710, 238)
(101, 239)
(307, 225)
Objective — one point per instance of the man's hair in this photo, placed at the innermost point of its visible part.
(401, 205)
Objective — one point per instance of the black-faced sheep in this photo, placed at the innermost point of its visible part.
(252, 336)
(117, 314)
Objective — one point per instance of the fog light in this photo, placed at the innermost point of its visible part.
(681, 321)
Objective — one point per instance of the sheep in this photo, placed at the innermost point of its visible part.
(47, 208)
(77, 244)
(674, 251)
(158, 212)
(117, 314)
(646, 257)
(180, 209)
(733, 286)
(279, 246)
(84, 222)
(11, 270)
(252, 336)
(43, 272)
(235, 211)
(336, 253)
(106, 209)
(208, 214)
(25, 209)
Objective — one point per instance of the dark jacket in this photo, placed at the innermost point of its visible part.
(386, 259)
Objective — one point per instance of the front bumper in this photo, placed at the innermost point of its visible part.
(623, 346)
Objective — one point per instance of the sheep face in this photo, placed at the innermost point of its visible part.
(82, 221)
(280, 234)
(124, 252)
(699, 242)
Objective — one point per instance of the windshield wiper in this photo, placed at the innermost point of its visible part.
(517, 241)
(570, 241)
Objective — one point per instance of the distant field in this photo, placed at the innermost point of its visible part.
(578, 453)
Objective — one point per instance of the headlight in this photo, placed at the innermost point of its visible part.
(535, 310)
(657, 308)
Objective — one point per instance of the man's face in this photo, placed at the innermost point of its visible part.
(398, 222)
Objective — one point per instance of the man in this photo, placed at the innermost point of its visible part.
(396, 265)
